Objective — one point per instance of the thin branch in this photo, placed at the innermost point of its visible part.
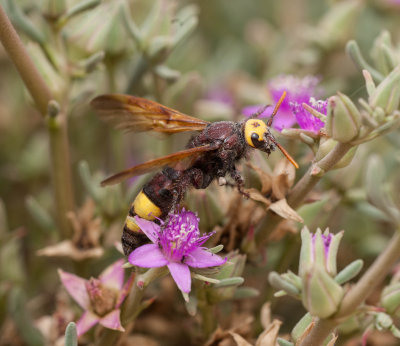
(300, 191)
(25, 66)
(315, 173)
(57, 127)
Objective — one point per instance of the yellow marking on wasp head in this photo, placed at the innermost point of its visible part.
(256, 126)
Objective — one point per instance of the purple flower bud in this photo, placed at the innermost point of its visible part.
(319, 249)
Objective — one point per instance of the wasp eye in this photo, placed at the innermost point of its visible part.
(255, 140)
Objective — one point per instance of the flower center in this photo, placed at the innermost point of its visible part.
(102, 298)
(180, 236)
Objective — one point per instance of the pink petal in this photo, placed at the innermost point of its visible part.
(181, 274)
(87, 321)
(76, 288)
(284, 120)
(113, 275)
(249, 111)
(150, 228)
(148, 256)
(125, 290)
(112, 320)
(200, 258)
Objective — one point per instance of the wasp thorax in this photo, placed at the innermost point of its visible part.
(257, 135)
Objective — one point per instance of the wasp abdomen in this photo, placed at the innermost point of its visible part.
(132, 236)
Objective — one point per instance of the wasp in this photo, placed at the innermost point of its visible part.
(210, 154)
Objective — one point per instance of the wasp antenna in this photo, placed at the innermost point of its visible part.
(260, 111)
(284, 152)
(269, 123)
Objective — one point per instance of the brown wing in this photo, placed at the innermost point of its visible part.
(136, 114)
(152, 165)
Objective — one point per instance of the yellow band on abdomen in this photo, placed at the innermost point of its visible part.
(131, 224)
(145, 208)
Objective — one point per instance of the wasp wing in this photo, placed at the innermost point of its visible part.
(137, 114)
(152, 165)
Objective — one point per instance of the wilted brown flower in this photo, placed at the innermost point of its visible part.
(239, 333)
(85, 241)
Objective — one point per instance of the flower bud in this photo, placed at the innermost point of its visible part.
(387, 93)
(390, 299)
(321, 294)
(327, 146)
(318, 250)
(343, 118)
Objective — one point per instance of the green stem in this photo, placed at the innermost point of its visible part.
(208, 321)
(131, 308)
(61, 172)
(25, 66)
(300, 191)
(41, 95)
(132, 305)
(309, 180)
(358, 293)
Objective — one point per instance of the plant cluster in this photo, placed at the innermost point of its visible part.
(317, 248)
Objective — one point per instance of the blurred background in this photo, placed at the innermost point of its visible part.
(205, 58)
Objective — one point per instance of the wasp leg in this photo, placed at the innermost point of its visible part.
(235, 174)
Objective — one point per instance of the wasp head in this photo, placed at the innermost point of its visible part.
(258, 135)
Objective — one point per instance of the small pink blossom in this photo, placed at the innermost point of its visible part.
(177, 245)
(100, 298)
(305, 119)
(299, 90)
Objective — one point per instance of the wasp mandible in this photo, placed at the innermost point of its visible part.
(210, 154)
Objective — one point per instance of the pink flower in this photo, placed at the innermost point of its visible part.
(305, 119)
(176, 244)
(299, 90)
(100, 298)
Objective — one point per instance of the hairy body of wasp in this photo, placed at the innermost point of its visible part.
(168, 187)
(212, 153)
